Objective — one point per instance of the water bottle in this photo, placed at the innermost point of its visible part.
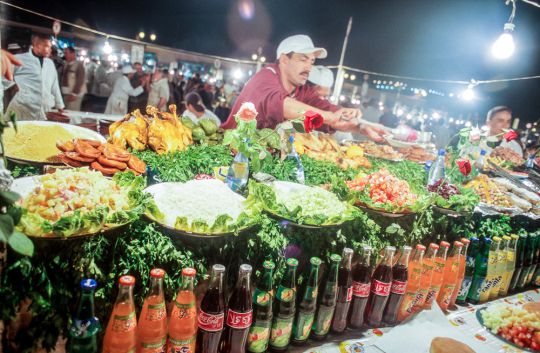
(238, 174)
(481, 160)
(299, 168)
(436, 172)
(530, 162)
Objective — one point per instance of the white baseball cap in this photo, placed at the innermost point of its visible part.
(321, 76)
(302, 44)
(127, 69)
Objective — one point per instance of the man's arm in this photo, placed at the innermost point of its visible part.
(59, 102)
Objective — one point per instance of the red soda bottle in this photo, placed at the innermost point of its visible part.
(239, 314)
(344, 296)
(438, 271)
(152, 325)
(428, 266)
(400, 275)
(211, 316)
(461, 271)
(413, 283)
(183, 321)
(121, 333)
(361, 276)
(380, 288)
(450, 276)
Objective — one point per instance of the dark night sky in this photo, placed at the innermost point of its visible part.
(422, 38)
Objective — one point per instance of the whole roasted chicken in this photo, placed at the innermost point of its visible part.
(165, 132)
(130, 132)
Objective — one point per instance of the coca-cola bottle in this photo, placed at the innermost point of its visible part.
(381, 282)
(239, 314)
(361, 276)
(399, 285)
(344, 296)
(327, 301)
(306, 309)
(212, 313)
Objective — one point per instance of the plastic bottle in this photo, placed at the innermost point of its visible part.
(121, 333)
(211, 316)
(361, 276)
(259, 332)
(428, 267)
(436, 172)
(520, 255)
(461, 271)
(413, 283)
(470, 259)
(183, 321)
(480, 162)
(400, 274)
(510, 253)
(152, 324)
(344, 297)
(500, 269)
(438, 272)
(298, 168)
(308, 304)
(381, 282)
(450, 276)
(284, 309)
(238, 173)
(327, 301)
(481, 265)
(530, 161)
(84, 325)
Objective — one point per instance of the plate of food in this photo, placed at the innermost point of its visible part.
(371, 149)
(75, 203)
(416, 154)
(35, 142)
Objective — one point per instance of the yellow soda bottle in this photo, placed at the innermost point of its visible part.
(510, 264)
(500, 268)
(491, 270)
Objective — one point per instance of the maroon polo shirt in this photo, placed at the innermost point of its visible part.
(266, 92)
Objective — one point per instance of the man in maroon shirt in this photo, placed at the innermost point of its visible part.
(279, 92)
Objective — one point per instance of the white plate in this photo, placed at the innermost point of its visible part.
(398, 143)
(25, 186)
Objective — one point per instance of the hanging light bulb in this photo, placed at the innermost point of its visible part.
(468, 94)
(107, 49)
(503, 48)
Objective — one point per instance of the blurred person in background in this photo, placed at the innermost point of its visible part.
(322, 80)
(37, 81)
(159, 93)
(100, 87)
(122, 90)
(139, 101)
(193, 83)
(73, 80)
(371, 111)
(196, 111)
(14, 48)
(388, 118)
(90, 70)
(7, 63)
(499, 120)
(57, 60)
(207, 96)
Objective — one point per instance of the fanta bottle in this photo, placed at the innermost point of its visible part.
(413, 283)
(152, 326)
(450, 276)
(121, 333)
(183, 321)
(438, 271)
(428, 265)
(461, 271)
(500, 268)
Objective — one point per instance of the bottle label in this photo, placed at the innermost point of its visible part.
(239, 320)
(302, 327)
(398, 287)
(285, 294)
(209, 322)
(476, 288)
(407, 305)
(261, 298)
(361, 289)
(447, 291)
(321, 326)
(124, 323)
(181, 346)
(349, 294)
(154, 347)
(281, 332)
(311, 293)
(156, 312)
(184, 311)
(259, 334)
(380, 288)
(84, 328)
(432, 294)
(465, 286)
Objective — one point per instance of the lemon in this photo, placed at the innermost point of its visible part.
(355, 151)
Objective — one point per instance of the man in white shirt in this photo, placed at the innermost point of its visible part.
(196, 111)
(37, 80)
(159, 90)
(498, 120)
(118, 101)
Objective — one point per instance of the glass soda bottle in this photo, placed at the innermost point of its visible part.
(413, 283)
(381, 282)
(500, 269)
(211, 316)
(361, 276)
(428, 267)
(480, 272)
(470, 259)
(327, 301)
(259, 332)
(152, 324)
(438, 272)
(520, 255)
(284, 309)
(450, 276)
(121, 333)
(400, 275)
(239, 314)
(84, 325)
(491, 270)
(510, 263)
(344, 297)
(183, 320)
(461, 271)
(306, 309)
(532, 269)
(527, 262)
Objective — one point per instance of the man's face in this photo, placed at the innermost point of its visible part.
(498, 122)
(42, 47)
(70, 56)
(322, 92)
(138, 68)
(297, 67)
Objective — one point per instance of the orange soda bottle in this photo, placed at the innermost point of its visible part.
(121, 333)
(152, 326)
(413, 283)
(183, 321)
(438, 271)
(450, 276)
(461, 271)
(428, 264)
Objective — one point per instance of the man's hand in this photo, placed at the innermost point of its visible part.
(349, 113)
(71, 98)
(374, 132)
(7, 60)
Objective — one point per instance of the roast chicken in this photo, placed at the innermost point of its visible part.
(130, 132)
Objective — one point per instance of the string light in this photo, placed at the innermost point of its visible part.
(504, 47)
(107, 49)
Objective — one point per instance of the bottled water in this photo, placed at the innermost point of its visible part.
(436, 172)
(238, 174)
(299, 168)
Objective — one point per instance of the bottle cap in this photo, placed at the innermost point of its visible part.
(218, 268)
(406, 248)
(488, 241)
(291, 261)
(496, 239)
(458, 244)
(245, 268)
(474, 239)
(390, 248)
(269, 265)
(88, 284)
(347, 252)
(482, 152)
(335, 258)
(291, 138)
(445, 244)
(315, 261)
(157, 273)
(366, 248)
(465, 241)
(420, 247)
(189, 272)
(434, 246)
(506, 237)
(514, 236)
(442, 152)
(127, 280)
